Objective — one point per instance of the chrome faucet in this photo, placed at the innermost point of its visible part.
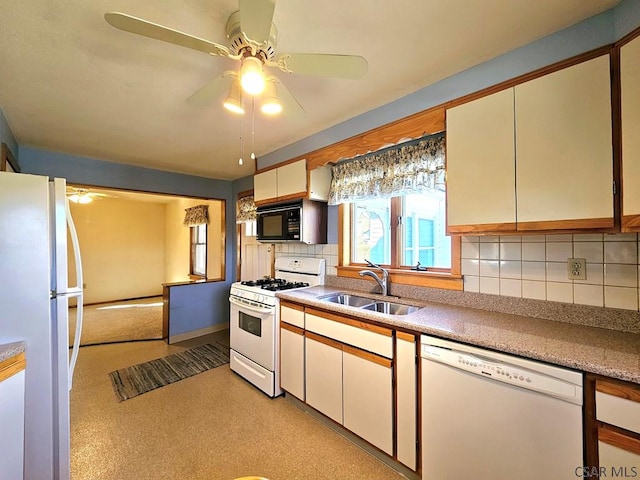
(383, 282)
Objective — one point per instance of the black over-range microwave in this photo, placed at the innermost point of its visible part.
(302, 221)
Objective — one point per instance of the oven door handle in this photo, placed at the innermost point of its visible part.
(247, 306)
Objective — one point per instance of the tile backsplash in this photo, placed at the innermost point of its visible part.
(535, 267)
(328, 251)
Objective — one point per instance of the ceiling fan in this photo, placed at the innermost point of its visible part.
(84, 195)
(252, 41)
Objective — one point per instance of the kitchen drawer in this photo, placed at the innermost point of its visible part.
(618, 404)
(352, 332)
(292, 313)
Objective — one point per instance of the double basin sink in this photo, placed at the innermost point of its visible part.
(380, 306)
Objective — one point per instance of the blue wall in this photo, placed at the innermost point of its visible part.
(193, 307)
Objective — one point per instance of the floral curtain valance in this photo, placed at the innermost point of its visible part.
(198, 215)
(412, 167)
(245, 209)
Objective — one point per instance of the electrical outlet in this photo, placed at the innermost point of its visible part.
(577, 268)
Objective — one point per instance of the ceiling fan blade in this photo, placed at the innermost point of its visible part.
(323, 65)
(256, 17)
(211, 90)
(131, 24)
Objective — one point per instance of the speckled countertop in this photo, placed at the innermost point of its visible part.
(9, 350)
(591, 349)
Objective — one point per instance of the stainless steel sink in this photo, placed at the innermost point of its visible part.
(347, 299)
(390, 308)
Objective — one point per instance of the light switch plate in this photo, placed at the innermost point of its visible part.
(577, 268)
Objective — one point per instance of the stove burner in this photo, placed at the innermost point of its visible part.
(274, 287)
(263, 281)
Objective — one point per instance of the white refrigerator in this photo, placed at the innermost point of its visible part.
(34, 308)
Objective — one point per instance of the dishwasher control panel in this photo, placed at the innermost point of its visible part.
(493, 366)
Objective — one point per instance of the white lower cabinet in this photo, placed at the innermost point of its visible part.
(324, 376)
(619, 461)
(292, 360)
(368, 398)
(12, 421)
(407, 399)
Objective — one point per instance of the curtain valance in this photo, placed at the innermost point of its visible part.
(413, 167)
(198, 215)
(245, 209)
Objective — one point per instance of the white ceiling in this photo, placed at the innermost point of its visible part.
(70, 82)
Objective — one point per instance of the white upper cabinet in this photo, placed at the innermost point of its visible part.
(481, 163)
(534, 157)
(564, 147)
(630, 96)
(289, 181)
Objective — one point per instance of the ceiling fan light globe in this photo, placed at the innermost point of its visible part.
(84, 199)
(272, 108)
(233, 102)
(233, 107)
(251, 76)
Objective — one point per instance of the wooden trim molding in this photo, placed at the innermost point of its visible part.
(327, 341)
(291, 305)
(8, 163)
(423, 123)
(407, 277)
(387, 332)
(371, 357)
(291, 328)
(12, 365)
(631, 223)
(568, 225)
(481, 228)
(618, 389)
(407, 337)
(608, 435)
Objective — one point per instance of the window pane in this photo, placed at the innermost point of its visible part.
(372, 231)
(423, 238)
(200, 259)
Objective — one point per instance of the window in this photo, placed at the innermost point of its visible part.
(417, 221)
(198, 257)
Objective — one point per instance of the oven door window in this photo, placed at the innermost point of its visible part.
(250, 324)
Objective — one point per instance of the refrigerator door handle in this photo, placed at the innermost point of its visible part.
(75, 292)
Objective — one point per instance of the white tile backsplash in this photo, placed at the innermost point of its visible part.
(489, 251)
(534, 290)
(534, 251)
(559, 251)
(560, 292)
(621, 252)
(621, 297)
(535, 266)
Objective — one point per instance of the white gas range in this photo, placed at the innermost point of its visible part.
(255, 315)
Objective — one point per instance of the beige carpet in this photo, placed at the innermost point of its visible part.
(119, 321)
(212, 426)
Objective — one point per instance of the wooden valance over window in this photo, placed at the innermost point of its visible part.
(245, 209)
(412, 167)
(198, 215)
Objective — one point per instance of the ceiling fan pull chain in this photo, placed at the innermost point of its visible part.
(240, 162)
(253, 124)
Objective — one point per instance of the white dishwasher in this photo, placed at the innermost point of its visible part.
(491, 416)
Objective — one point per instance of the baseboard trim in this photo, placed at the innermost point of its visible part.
(181, 337)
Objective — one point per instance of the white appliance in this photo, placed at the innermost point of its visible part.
(255, 317)
(34, 303)
(491, 416)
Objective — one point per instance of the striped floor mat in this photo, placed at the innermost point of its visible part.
(133, 381)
